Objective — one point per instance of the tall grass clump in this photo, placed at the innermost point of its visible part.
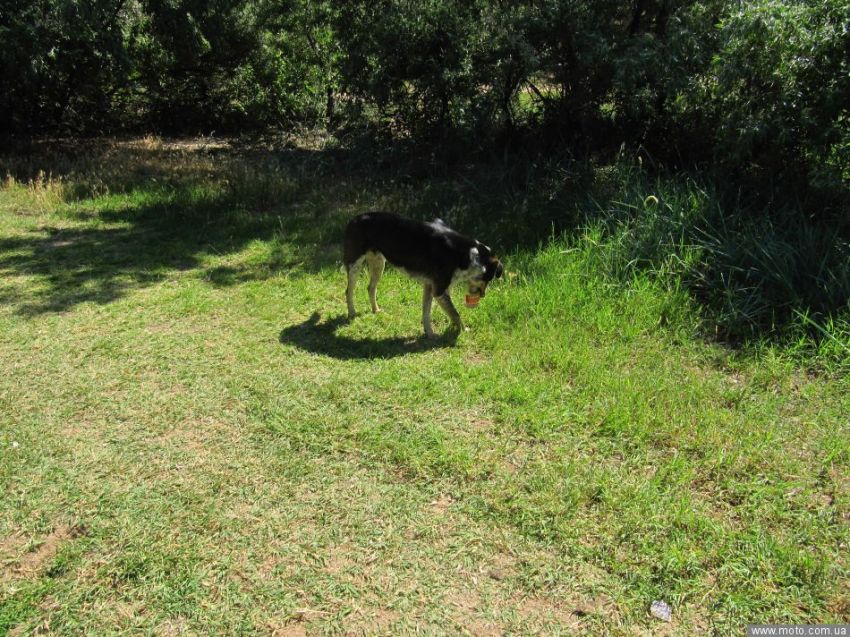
(758, 274)
(42, 192)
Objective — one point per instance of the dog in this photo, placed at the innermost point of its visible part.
(429, 252)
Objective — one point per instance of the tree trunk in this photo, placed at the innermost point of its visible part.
(330, 108)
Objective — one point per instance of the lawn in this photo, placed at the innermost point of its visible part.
(194, 440)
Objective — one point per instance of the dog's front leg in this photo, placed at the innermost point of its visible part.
(427, 297)
(445, 302)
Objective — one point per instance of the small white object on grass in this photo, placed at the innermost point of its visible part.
(661, 610)
(15, 444)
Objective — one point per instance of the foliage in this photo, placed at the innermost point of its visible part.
(60, 63)
(780, 86)
(759, 87)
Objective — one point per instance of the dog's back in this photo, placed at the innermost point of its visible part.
(421, 248)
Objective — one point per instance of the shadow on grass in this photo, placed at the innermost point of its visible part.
(107, 253)
(322, 338)
(133, 215)
(101, 264)
(81, 265)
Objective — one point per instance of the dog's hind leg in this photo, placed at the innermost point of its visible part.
(353, 269)
(376, 263)
(427, 298)
(445, 302)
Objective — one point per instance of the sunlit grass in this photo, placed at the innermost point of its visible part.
(195, 440)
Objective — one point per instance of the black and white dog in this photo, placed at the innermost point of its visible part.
(429, 252)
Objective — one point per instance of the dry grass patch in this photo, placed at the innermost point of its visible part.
(41, 552)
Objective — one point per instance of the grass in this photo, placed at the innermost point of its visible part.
(194, 441)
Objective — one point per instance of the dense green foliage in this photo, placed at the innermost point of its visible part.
(760, 86)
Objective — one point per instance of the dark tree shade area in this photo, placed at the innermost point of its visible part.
(756, 88)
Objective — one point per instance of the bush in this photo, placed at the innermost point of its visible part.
(779, 86)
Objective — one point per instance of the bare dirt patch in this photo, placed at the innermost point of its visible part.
(441, 504)
(476, 358)
(543, 610)
(839, 603)
(601, 605)
(465, 608)
(176, 627)
(288, 630)
(339, 559)
(502, 567)
(10, 547)
(29, 564)
(371, 621)
(18, 630)
(383, 618)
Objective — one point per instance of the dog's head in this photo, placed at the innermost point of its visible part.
(489, 268)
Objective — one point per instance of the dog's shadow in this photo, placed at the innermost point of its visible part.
(322, 338)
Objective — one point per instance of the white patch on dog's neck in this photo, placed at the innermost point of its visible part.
(475, 268)
(475, 265)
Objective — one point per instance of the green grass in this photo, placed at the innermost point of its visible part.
(193, 440)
